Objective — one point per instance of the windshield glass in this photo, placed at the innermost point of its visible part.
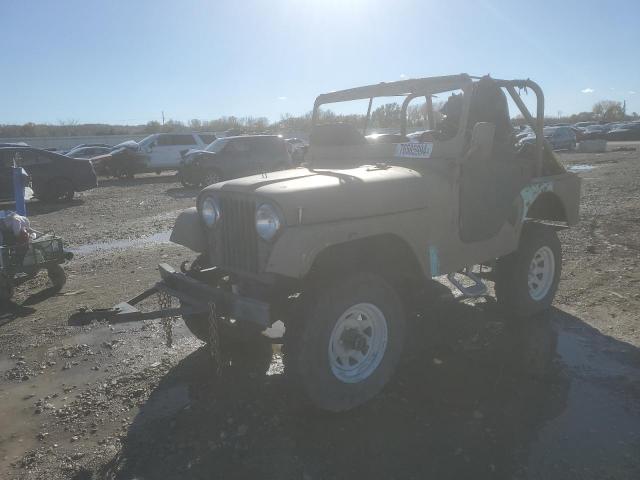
(217, 145)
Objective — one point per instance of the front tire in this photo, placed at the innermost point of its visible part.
(344, 347)
(187, 179)
(210, 177)
(527, 280)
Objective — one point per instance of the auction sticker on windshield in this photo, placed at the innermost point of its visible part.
(414, 150)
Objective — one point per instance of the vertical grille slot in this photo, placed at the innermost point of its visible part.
(237, 244)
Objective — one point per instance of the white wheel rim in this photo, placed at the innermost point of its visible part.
(542, 270)
(358, 343)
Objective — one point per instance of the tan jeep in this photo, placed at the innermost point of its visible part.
(335, 248)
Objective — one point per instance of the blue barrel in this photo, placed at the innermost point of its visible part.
(18, 190)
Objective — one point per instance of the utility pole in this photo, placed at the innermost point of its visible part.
(163, 118)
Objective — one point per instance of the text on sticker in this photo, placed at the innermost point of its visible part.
(414, 150)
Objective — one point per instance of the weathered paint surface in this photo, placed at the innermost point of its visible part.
(434, 261)
(531, 192)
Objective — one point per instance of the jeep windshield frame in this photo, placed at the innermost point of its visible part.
(430, 86)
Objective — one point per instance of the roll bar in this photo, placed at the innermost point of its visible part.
(538, 123)
(426, 87)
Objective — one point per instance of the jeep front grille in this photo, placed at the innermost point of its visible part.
(236, 242)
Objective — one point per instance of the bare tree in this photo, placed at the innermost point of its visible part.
(608, 110)
(385, 116)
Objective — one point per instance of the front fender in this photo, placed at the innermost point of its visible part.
(188, 231)
(296, 249)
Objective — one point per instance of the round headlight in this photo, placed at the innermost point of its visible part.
(210, 211)
(267, 221)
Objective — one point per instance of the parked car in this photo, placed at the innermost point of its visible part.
(155, 153)
(6, 183)
(579, 132)
(53, 176)
(628, 131)
(234, 157)
(560, 138)
(420, 136)
(584, 124)
(89, 151)
(595, 132)
(297, 148)
(81, 145)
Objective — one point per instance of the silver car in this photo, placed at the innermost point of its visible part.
(560, 138)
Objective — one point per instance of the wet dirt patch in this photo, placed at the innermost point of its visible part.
(123, 244)
(580, 168)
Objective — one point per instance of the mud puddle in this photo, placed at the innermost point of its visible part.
(86, 363)
(67, 368)
(123, 244)
(581, 168)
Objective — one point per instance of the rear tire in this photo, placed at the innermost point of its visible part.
(57, 276)
(526, 281)
(187, 180)
(344, 347)
(57, 190)
(123, 173)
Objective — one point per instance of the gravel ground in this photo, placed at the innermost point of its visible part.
(475, 396)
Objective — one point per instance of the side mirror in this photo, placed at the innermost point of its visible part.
(482, 140)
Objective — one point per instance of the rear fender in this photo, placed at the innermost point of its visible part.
(555, 198)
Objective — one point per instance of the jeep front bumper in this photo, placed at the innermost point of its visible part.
(195, 297)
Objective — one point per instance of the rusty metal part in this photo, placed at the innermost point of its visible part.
(214, 339)
(165, 300)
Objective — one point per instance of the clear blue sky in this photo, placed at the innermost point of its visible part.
(126, 61)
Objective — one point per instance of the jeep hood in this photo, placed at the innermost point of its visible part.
(332, 195)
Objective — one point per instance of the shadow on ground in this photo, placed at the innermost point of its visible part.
(10, 311)
(474, 398)
(36, 208)
(183, 192)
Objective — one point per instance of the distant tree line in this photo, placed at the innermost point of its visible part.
(384, 116)
(67, 129)
(604, 111)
